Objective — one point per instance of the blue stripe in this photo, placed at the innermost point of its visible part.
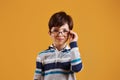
(38, 72)
(57, 72)
(73, 44)
(76, 60)
(47, 51)
(66, 50)
(58, 65)
(77, 68)
(39, 65)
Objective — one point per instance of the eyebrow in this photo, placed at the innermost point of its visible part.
(59, 28)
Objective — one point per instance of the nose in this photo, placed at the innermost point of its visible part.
(60, 33)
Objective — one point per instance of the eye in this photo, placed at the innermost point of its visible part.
(65, 30)
(55, 30)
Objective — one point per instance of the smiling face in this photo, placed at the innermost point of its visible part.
(60, 34)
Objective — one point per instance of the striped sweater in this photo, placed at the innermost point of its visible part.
(52, 64)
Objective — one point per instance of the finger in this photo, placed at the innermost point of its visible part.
(73, 33)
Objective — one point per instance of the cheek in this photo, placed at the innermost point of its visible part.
(52, 36)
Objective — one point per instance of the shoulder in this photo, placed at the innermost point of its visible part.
(46, 51)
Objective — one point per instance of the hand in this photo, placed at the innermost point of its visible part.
(73, 36)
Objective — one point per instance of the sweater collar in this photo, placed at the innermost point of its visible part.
(66, 48)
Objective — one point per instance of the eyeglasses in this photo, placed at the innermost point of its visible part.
(56, 32)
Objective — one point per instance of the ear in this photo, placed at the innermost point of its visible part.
(51, 36)
(49, 33)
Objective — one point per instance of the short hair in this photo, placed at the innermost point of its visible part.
(60, 18)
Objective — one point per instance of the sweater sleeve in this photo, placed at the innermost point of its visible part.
(39, 68)
(76, 62)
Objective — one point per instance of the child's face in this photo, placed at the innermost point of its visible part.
(60, 35)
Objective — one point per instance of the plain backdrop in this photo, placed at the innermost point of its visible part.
(24, 33)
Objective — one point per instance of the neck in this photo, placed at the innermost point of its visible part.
(59, 47)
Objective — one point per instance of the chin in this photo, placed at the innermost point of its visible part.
(61, 43)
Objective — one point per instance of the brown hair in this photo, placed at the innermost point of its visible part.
(60, 18)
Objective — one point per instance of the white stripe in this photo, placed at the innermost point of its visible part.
(38, 69)
(57, 59)
(56, 70)
(76, 63)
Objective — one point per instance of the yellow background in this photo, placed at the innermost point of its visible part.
(24, 33)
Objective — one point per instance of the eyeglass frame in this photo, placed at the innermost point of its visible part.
(63, 32)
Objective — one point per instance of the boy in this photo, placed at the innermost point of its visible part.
(59, 61)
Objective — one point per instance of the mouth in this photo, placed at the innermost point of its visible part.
(60, 38)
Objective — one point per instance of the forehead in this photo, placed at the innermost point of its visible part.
(65, 26)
